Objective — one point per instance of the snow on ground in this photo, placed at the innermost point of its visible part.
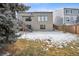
(55, 36)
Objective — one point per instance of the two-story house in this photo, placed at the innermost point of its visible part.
(66, 16)
(37, 21)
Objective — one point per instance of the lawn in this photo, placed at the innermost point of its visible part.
(24, 47)
(55, 43)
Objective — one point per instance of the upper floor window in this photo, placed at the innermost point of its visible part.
(42, 18)
(71, 11)
(67, 11)
(78, 11)
(28, 19)
(1, 5)
(74, 11)
(39, 18)
(46, 18)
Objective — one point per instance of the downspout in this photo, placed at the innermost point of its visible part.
(63, 17)
(63, 20)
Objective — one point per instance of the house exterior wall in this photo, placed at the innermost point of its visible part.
(58, 16)
(35, 24)
(67, 16)
(71, 14)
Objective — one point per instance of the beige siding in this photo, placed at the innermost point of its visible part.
(36, 24)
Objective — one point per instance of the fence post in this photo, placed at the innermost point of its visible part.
(75, 29)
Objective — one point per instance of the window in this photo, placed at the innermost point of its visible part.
(28, 26)
(67, 11)
(77, 19)
(66, 20)
(78, 11)
(42, 26)
(1, 5)
(28, 19)
(39, 19)
(42, 18)
(74, 11)
(69, 20)
(46, 18)
(71, 11)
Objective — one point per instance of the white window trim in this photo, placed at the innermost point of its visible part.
(43, 18)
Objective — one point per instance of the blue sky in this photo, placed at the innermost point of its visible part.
(51, 6)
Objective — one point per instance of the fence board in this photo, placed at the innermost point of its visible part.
(68, 28)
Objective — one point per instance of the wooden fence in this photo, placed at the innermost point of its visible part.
(68, 28)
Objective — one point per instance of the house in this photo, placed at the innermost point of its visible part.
(66, 16)
(37, 21)
(66, 19)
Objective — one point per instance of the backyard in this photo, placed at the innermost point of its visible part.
(55, 43)
(53, 36)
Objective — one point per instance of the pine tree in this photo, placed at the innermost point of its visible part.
(8, 21)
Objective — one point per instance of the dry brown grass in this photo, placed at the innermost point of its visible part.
(24, 47)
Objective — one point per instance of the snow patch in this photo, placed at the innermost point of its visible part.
(54, 36)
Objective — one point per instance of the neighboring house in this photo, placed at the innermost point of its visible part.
(37, 21)
(66, 16)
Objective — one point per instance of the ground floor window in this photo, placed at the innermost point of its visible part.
(42, 26)
(28, 26)
(28, 19)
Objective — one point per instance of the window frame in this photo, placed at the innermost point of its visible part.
(28, 19)
(29, 26)
(42, 18)
(42, 27)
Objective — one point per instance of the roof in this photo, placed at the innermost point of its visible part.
(71, 8)
(35, 11)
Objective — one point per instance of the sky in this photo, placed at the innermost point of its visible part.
(50, 6)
